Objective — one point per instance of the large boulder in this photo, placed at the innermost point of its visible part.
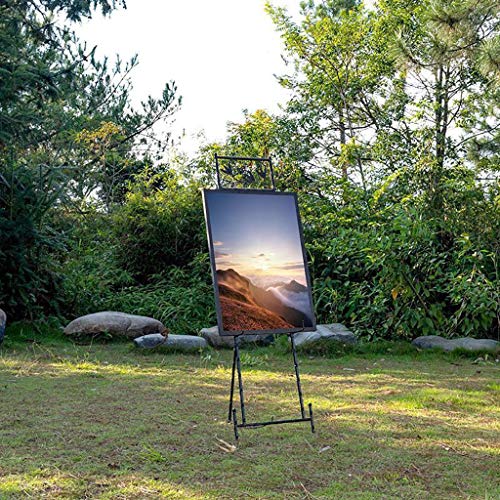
(335, 332)
(467, 343)
(211, 335)
(3, 323)
(116, 324)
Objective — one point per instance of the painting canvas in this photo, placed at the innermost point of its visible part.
(258, 262)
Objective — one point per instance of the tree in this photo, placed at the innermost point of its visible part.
(397, 105)
(340, 77)
(447, 57)
(67, 135)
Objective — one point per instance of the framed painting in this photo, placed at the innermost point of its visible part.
(258, 260)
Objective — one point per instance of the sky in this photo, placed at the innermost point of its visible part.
(257, 235)
(222, 54)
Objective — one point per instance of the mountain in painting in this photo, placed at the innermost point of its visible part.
(248, 307)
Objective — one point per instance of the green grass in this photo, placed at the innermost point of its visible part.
(107, 421)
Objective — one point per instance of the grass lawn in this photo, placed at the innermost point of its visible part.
(107, 421)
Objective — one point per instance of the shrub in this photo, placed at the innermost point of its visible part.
(394, 272)
(160, 225)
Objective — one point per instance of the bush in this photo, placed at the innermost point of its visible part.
(90, 266)
(29, 279)
(160, 225)
(95, 278)
(391, 271)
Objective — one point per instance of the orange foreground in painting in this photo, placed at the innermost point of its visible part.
(242, 305)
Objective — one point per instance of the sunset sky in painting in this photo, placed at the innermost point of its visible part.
(257, 235)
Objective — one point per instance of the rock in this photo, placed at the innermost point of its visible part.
(211, 335)
(150, 341)
(335, 332)
(302, 338)
(477, 344)
(117, 324)
(467, 343)
(185, 343)
(3, 322)
(173, 342)
(431, 341)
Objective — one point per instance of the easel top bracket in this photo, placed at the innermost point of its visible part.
(244, 159)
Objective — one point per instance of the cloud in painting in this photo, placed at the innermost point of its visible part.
(218, 243)
(290, 266)
(224, 263)
(259, 256)
(220, 255)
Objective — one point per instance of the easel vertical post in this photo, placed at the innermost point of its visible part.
(217, 170)
(272, 174)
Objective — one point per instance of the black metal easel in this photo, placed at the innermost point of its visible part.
(232, 414)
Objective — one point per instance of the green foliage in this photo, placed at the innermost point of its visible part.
(67, 131)
(375, 348)
(29, 277)
(391, 273)
(160, 224)
(47, 331)
(98, 277)
(89, 265)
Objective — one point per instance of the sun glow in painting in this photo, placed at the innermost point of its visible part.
(258, 260)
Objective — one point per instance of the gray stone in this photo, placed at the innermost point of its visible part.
(3, 322)
(117, 324)
(477, 344)
(306, 337)
(150, 341)
(211, 335)
(335, 332)
(185, 343)
(467, 343)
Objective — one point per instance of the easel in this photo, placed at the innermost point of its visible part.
(232, 414)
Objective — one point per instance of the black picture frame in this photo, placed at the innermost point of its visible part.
(265, 192)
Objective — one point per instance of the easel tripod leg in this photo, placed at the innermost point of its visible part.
(235, 425)
(240, 379)
(297, 376)
(231, 394)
